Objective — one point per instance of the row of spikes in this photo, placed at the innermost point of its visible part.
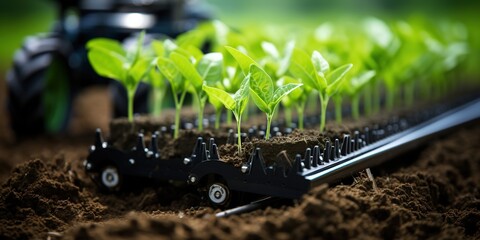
(314, 158)
(202, 153)
(152, 150)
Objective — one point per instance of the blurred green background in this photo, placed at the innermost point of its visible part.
(21, 18)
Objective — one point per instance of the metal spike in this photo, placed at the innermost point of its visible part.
(337, 148)
(261, 134)
(140, 143)
(366, 135)
(163, 130)
(154, 144)
(315, 156)
(326, 151)
(98, 138)
(375, 135)
(352, 145)
(306, 161)
(251, 132)
(204, 154)
(214, 152)
(298, 164)
(210, 143)
(345, 141)
(257, 164)
(231, 137)
(288, 130)
(356, 137)
(197, 148)
(332, 153)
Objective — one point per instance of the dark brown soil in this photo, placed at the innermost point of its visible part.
(436, 198)
(45, 193)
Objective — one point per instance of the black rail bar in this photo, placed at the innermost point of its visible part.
(379, 152)
(396, 144)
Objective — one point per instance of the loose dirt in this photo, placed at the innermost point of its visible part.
(45, 193)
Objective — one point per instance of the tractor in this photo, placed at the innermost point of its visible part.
(50, 69)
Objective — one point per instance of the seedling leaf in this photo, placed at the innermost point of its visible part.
(187, 69)
(106, 44)
(242, 92)
(170, 71)
(210, 67)
(159, 48)
(141, 68)
(242, 59)
(335, 78)
(302, 67)
(261, 104)
(107, 64)
(220, 95)
(271, 50)
(320, 64)
(362, 79)
(261, 83)
(283, 91)
(285, 61)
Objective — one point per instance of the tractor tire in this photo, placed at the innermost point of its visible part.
(39, 93)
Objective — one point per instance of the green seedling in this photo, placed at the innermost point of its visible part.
(157, 80)
(275, 61)
(243, 65)
(177, 84)
(297, 98)
(233, 77)
(109, 59)
(385, 46)
(262, 89)
(315, 73)
(209, 70)
(264, 94)
(234, 102)
(354, 88)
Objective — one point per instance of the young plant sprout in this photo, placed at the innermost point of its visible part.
(262, 89)
(177, 84)
(235, 103)
(209, 69)
(109, 59)
(338, 102)
(157, 80)
(297, 98)
(385, 47)
(354, 88)
(264, 94)
(315, 73)
(277, 63)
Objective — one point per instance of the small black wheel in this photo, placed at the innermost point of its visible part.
(39, 86)
(110, 179)
(218, 194)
